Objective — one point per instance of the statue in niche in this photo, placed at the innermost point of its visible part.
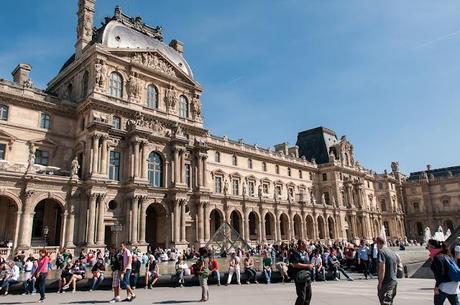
(75, 166)
(171, 99)
(196, 106)
(101, 72)
(134, 87)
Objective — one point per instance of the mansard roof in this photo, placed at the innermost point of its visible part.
(124, 32)
(437, 173)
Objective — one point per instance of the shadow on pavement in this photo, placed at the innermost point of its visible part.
(175, 302)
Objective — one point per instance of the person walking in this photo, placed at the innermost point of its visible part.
(386, 272)
(126, 272)
(116, 260)
(41, 273)
(203, 273)
(299, 269)
(445, 288)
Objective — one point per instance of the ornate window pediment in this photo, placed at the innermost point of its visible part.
(5, 137)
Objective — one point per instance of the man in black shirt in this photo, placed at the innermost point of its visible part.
(299, 269)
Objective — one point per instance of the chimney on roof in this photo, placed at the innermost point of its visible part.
(177, 45)
(21, 74)
(294, 151)
(85, 25)
(283, 148)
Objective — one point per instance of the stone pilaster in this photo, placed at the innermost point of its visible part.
(91, 219)
(100, 220)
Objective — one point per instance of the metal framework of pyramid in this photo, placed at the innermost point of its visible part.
(226, 239)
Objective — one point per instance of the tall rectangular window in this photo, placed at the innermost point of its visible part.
(116, 122)
(324, 177)
(251, 188)
(4, 112)
(218, 185)
(114, 166)
(265, 188)
(188, 176)
(2, 151)
(278, 190)
(45, 121)
(235, 187)
(41, 157)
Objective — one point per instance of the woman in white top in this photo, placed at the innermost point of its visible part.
(233, 267)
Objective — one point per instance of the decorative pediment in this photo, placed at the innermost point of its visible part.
(46, 142)
(7, 137)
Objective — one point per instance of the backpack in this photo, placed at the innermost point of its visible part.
(453, 271)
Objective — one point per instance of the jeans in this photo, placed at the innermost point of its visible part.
(442, 296)
(336, 271)
(251, 274)
(232, 270)
(365, 268)
(30, 285)
(97, 281)
(303, 291)
(217, 273)
(6, 284)
(315, 272)
(387, 293)
(204, 287)
(180, 276)
(133, 279)
(126, 278)
(42, 284)
(268, 275)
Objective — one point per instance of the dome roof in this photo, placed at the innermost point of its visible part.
(118, 35)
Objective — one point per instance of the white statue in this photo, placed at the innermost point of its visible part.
(427, 235)
(74, 168)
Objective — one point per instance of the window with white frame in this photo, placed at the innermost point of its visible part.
(218, 185)
(152, 96)
(4, 109)
(183, 107)
(116, 122)
(114, 165)
(45, 121)
(116, 85)
(235, 187)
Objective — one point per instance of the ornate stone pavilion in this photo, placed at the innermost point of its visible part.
(115, 149)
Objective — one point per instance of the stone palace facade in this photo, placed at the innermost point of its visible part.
(115, 150)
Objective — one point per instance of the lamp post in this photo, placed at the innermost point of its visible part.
(45, 235)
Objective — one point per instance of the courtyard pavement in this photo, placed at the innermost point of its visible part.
(361, 292)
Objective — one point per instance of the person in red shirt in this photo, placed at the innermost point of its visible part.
(42, 273)
(213, 267)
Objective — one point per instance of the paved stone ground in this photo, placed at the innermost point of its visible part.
(359, 292)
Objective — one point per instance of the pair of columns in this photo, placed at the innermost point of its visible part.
(201, 170)
(138, 158)
(178, 221)
(99, 154)
(178, 165)
(138, 218)
(95, 225)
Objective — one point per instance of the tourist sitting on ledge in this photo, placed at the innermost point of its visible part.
(98, 274)
(11, 277)
(213, 266)
(250, 269)
(152, 272)
(234, 267)
(78, 273)
(181, 266)
(66, 275)
(267, 267)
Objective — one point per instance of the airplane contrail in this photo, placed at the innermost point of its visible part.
(437, 39)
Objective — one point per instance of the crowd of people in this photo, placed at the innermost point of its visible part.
(302, 262)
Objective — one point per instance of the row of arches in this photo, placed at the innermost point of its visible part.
(275, 228)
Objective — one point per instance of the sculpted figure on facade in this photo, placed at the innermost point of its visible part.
(153, 61)
(75, 166)
(171, 99)
(134, 87)
(31, 159)
(101, 75)
(196, 106)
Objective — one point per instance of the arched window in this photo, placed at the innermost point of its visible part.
(85, 85)
(152, 96)
(183, 107)
(155, 167)
(116, 85)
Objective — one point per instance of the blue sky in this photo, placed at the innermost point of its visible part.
(384, 73)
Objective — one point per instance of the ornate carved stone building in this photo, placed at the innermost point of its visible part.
(115, 149)
(432, 199)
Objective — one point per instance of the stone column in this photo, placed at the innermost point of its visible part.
(176, 166)
(25, 234)
(69, 242)
(100, 222)
(246, 226)
(207, 225)
(262, 237)
(143, 220)
(95, 153)
(136, 159)
(199, 207)
(182, 223)
(134, 217)
(303, 224)
(91, 220)
(182, 166)
(143, 161)
(200, 171)
(64, 229)
(278, 236)
(176, 221)
(103, 169)
(130, 160)
(16, 231)
(205, 180)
